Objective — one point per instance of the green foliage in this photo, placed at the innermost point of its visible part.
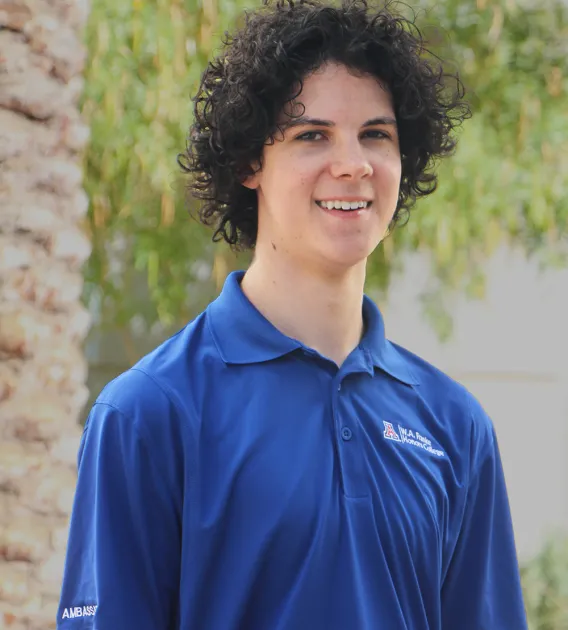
(145, 63)
(545, 587)
(507, 180)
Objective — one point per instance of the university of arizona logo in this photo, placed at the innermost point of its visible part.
(407, 436)
(390, 433)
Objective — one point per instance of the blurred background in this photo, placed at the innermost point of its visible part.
(100, 260)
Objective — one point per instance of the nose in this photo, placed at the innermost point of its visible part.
(350, 162)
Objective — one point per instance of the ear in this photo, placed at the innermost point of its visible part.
(253, 181)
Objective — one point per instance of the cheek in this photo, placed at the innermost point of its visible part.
(389, 173)
(303, 170)
(289, 181)
(302, 177)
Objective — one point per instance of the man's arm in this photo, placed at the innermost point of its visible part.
(123, 554)
(481, 589)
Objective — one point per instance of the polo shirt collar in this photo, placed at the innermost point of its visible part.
(381, 352)
(243, 335)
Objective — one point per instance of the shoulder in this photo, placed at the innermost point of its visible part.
(155, 394)
(457, 411)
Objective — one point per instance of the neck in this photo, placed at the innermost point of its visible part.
(321, 310)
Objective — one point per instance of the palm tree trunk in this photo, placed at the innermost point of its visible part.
(42, 321)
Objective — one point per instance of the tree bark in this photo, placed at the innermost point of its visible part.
(42, 321)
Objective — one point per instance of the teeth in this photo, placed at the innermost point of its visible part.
(343, 205)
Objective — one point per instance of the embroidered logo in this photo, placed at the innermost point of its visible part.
(79, 611)
(407, 436)
(390, 433)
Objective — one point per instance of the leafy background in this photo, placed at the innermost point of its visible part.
(507, 180)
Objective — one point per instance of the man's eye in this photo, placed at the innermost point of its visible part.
(310, 135)
(375, 133)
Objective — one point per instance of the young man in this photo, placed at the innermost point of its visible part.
(278, 464)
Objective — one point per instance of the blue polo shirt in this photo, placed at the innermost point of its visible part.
(235, 479)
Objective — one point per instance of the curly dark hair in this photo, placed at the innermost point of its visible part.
(244, 91)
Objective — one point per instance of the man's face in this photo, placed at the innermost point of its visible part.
(344, 149)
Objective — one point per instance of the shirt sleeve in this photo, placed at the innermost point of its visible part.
(481, 589)
(123, 554)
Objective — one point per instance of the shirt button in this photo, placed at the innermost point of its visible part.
(346, 433)
(339, 387)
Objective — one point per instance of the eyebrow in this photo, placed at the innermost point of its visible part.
(318, 122)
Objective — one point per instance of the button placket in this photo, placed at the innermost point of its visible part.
(349, 447)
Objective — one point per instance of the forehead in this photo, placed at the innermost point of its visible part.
(334, 91)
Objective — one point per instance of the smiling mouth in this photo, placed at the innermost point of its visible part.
(346, 206)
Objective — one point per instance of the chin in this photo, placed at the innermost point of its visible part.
(345, 258)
